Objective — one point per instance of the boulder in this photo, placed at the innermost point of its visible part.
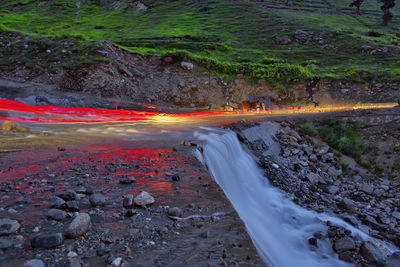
(8, 125)
(58, 203)
(47, 241)
(97, 200)
(283, 40)
(393, 260)
(68, 195)
(33, 263)
(79, 226)
(177, 212)
(347, 205)
(144, 199)
(372, 254)
(72, 205)
(366, 188)
(8, 226)
(56, 214)
(187, 66)
(344, 244)
(314, 178)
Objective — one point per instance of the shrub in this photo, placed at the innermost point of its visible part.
(344, 163)
(309, 129)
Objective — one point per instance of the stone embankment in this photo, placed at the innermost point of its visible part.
(312, 177)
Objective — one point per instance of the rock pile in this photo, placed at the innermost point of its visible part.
(314, 179)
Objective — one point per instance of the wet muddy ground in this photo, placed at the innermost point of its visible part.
(31, 175)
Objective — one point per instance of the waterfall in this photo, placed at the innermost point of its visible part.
(278, 228)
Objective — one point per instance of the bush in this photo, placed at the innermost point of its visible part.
(344, 138)
(309, 129)
(344, 163)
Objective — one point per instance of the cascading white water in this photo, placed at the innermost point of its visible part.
(279, 229)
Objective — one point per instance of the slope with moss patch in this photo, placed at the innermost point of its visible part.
(226, 36)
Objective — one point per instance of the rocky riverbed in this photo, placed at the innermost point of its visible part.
(308, 171)
(116, 203)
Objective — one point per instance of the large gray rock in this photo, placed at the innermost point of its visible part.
(366, 188)
(47, 241)
(97, 200)
(144, 199)
(393, 260)
(314, 178)
(56, 214)
(79, 226)
(347, 205)
(177, 212)
(68, 195)
(343, 244)
(33, 263)
(372, 254)
(8, 226)
(57, 203)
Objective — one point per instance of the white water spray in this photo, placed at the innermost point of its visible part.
(279, 229)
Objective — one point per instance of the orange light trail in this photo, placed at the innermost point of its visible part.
(54, 114)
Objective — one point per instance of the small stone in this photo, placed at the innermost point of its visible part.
(56, 214)
(33, 263)
(58, 203)
(372, 254)
(313, 242)
(396, 214)
(347, 205)
(117, 262)
(175, 177)
(366, 188)
(5, 243)
(127, 180)
(8, 226)
(187, 65)
(97, 200)
(8, 125)
(128, 201)
(346, 256)
(314, 178)
(344, 244)
(72, 254)
(68, 195)
(79, 226)
(47, 241)
(72, 205)
(333, 189)
(144, 199)
(177, 212)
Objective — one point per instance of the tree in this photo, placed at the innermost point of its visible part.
(387, 15)
(357, 4)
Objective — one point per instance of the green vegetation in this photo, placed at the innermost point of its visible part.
(309, 128)
(226, 37)
(339, 135)
(344, 164)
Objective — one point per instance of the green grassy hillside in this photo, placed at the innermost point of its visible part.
(226, 36)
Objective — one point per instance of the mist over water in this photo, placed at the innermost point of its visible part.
(279, 229)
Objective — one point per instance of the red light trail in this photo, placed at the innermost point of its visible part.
(54, 114)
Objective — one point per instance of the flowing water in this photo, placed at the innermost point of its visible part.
(279, 229)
